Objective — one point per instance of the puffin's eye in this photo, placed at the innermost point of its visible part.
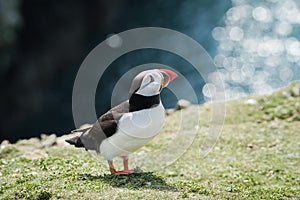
(151, 79)
(147, 80)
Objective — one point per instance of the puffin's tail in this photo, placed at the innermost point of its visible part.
(76, 141)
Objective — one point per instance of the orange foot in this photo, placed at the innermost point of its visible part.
(124, 172)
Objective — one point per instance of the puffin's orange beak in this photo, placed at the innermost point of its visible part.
(169, 76)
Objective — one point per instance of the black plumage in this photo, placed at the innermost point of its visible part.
(107, 124)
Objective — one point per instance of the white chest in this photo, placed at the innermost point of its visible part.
(134, 131)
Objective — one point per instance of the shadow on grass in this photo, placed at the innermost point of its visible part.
(146, 180)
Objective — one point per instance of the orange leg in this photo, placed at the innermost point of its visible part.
(126, 170)
(112, 167)
(125, 163)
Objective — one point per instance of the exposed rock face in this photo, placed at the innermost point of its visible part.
(296, 91)
(251, 102)
(35, 148)
(48, 140)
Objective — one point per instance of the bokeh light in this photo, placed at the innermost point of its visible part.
(258, 46)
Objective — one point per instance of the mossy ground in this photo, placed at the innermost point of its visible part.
(256, 157)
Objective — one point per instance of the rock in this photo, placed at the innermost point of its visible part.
(169, 111)
(35, 154)
(287, 94)
(148, 183)
(295, 91)
(172, 174)
(48, 140)
(250, 146)
(4, 144)
(32, 143)
(182, 104)
(251, 102)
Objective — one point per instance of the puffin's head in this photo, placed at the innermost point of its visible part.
(151, 82)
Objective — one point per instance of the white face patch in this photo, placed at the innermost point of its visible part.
(151, 84)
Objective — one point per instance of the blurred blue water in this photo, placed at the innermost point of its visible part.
(259, 47)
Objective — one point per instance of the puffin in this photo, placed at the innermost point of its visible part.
(130, 125)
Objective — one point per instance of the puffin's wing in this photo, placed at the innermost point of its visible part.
(116, 112)
(81, 130)
(104, 127)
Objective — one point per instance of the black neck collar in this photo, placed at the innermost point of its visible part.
(139, 102)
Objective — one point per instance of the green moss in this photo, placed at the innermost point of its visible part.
(280, 105)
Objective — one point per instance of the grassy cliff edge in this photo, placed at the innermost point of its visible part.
(256, 157)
